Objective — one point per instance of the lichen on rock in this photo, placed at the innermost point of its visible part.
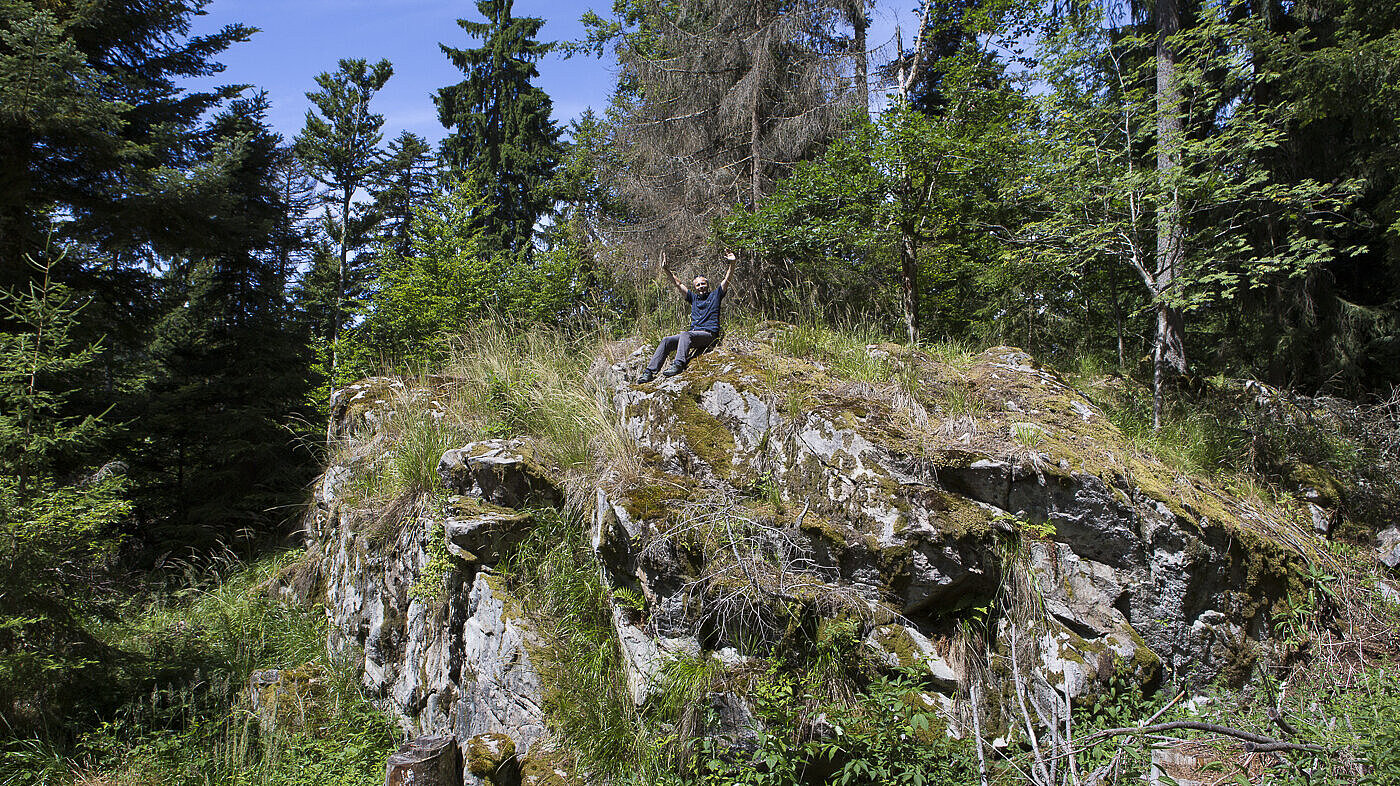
(765, 495)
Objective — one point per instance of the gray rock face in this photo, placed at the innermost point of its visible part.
(1133, 576)
(498, 471)
(456, 660)
(1388, 547)
(900, 646)
(485, 536)
(501, 688)
(767, 488)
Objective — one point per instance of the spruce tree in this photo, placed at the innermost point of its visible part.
(407, 179)
(503, 142)
(716, 101)
(92, 124)
(220, 462)
(57, 517)
(339, 146)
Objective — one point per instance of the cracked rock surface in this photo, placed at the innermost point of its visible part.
(770, 492)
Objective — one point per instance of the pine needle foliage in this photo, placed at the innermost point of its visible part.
(503, 143)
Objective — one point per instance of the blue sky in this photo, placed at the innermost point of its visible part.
(301, 38)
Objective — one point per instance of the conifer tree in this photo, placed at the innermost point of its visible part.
(92, 124)
(55, 533)
(503, 142)
(716, 102)
(219, 461)
(406, 181)
(295, 229)
(339, 146)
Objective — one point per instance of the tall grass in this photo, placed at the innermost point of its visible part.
(495, 382)
(188, 657)
(843, 348)
(557, 576)
(533, 384)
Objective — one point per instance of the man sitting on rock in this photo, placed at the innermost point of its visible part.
(704, 321)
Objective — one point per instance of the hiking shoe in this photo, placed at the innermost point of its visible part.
(674, 369)
(647, 376)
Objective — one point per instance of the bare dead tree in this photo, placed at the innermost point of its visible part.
(717, 100)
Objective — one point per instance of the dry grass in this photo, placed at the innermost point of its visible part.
(495, 383)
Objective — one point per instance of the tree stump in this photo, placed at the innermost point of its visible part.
(426, 761)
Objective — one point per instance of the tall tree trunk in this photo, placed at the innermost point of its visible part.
(859, 25)
(1169, 354)
(755, 158)
(1117, 319)
(909, 281)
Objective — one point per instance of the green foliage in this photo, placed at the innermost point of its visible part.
(1245, 226)
(55, 531)
(417, 451)
(900, 198)
(844, 347)
(223, 449)
(188, 655)
(407, 180)
(1381, 744)
(1121, 705)
(888, 735)
(452, 279)
(556, 574)
(338, 146)
(684, 680)
(503, 144)
(431, 585)
(1189, 439)
(101, 135)
(531, 383)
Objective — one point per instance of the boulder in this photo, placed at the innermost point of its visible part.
(478, 534)
(459, 661)
(766, 495)
(491, 760)
(364, 406)
(867, 507)
(501, 472)
(1388, 547)
(287, 699)
(501, 690)
(900, 647)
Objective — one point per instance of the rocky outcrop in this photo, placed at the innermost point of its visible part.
(409, 587)
(910, 502)
(768, 492)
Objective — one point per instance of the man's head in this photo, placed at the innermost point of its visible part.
(700, 284)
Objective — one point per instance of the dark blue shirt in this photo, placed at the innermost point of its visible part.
(704, 309)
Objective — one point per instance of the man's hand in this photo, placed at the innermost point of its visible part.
(729, 271)
(663, 262)
(729, 255)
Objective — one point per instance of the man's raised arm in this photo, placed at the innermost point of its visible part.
(729, 271)
(679, 286)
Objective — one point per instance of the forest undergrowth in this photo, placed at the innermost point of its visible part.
(186, 647)
(184, 652)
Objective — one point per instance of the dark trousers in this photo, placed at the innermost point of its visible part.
(680, 344)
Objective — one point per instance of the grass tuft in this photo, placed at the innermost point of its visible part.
(189, 656)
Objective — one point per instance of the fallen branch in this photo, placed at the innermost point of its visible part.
(1253, 742)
